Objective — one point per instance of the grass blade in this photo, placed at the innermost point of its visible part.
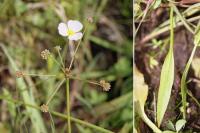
(167, 77)
(35, 115)
(182, 19)
(185, 73)
(183, 82)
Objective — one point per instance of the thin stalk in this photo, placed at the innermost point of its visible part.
(68, 106)
(88, 81)
(59, 115)
(193, 98)
(57, 88)
(187, 67)
(171, 28)
(62, 62)
(72, 60)
(156, 33)
(183, 81)
(38, 75)
(144, 15)
(184, 21)
(82, 122)
(52, 123)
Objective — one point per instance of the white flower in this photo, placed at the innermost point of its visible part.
(71, 29)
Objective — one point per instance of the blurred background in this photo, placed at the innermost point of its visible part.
(27, 27)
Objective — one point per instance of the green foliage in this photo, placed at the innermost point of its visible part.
(28, 27)
(123, 67)
(27, 95)
(20, 7)
(180, 124)
(11, 106)
(166, 78)
(187, 19)
(186, 70)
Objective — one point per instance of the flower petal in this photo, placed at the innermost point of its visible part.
(76, 36)
(62, 29)
(74, 25)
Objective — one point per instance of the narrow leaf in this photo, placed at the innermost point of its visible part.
(182, 18)
(166, 78)
(185, 73)
(183, 82)
(27, 96)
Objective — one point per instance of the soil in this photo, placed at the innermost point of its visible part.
(183, 45)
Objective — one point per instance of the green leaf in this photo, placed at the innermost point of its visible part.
(166, 78)
(123, 67)
(156, 4)
(170, 126)
(20, 7)
(180, 124)
(166, 82)
(11, 106)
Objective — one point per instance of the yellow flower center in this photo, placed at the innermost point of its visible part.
(70, 32)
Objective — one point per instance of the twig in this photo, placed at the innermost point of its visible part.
(165, 29)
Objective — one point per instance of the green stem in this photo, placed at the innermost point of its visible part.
(82, 122)
(62, 62)
(140, 110)
(52, 123)
(59, 115)
(150, 123)
(183, 81)
(54, 92)
(73, 57)
(87, 81)
(171, 28)
(38, 75)
(68, 106)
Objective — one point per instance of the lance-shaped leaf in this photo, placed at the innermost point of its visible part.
(167, 77)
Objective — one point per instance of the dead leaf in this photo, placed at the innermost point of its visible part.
(140, 90)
